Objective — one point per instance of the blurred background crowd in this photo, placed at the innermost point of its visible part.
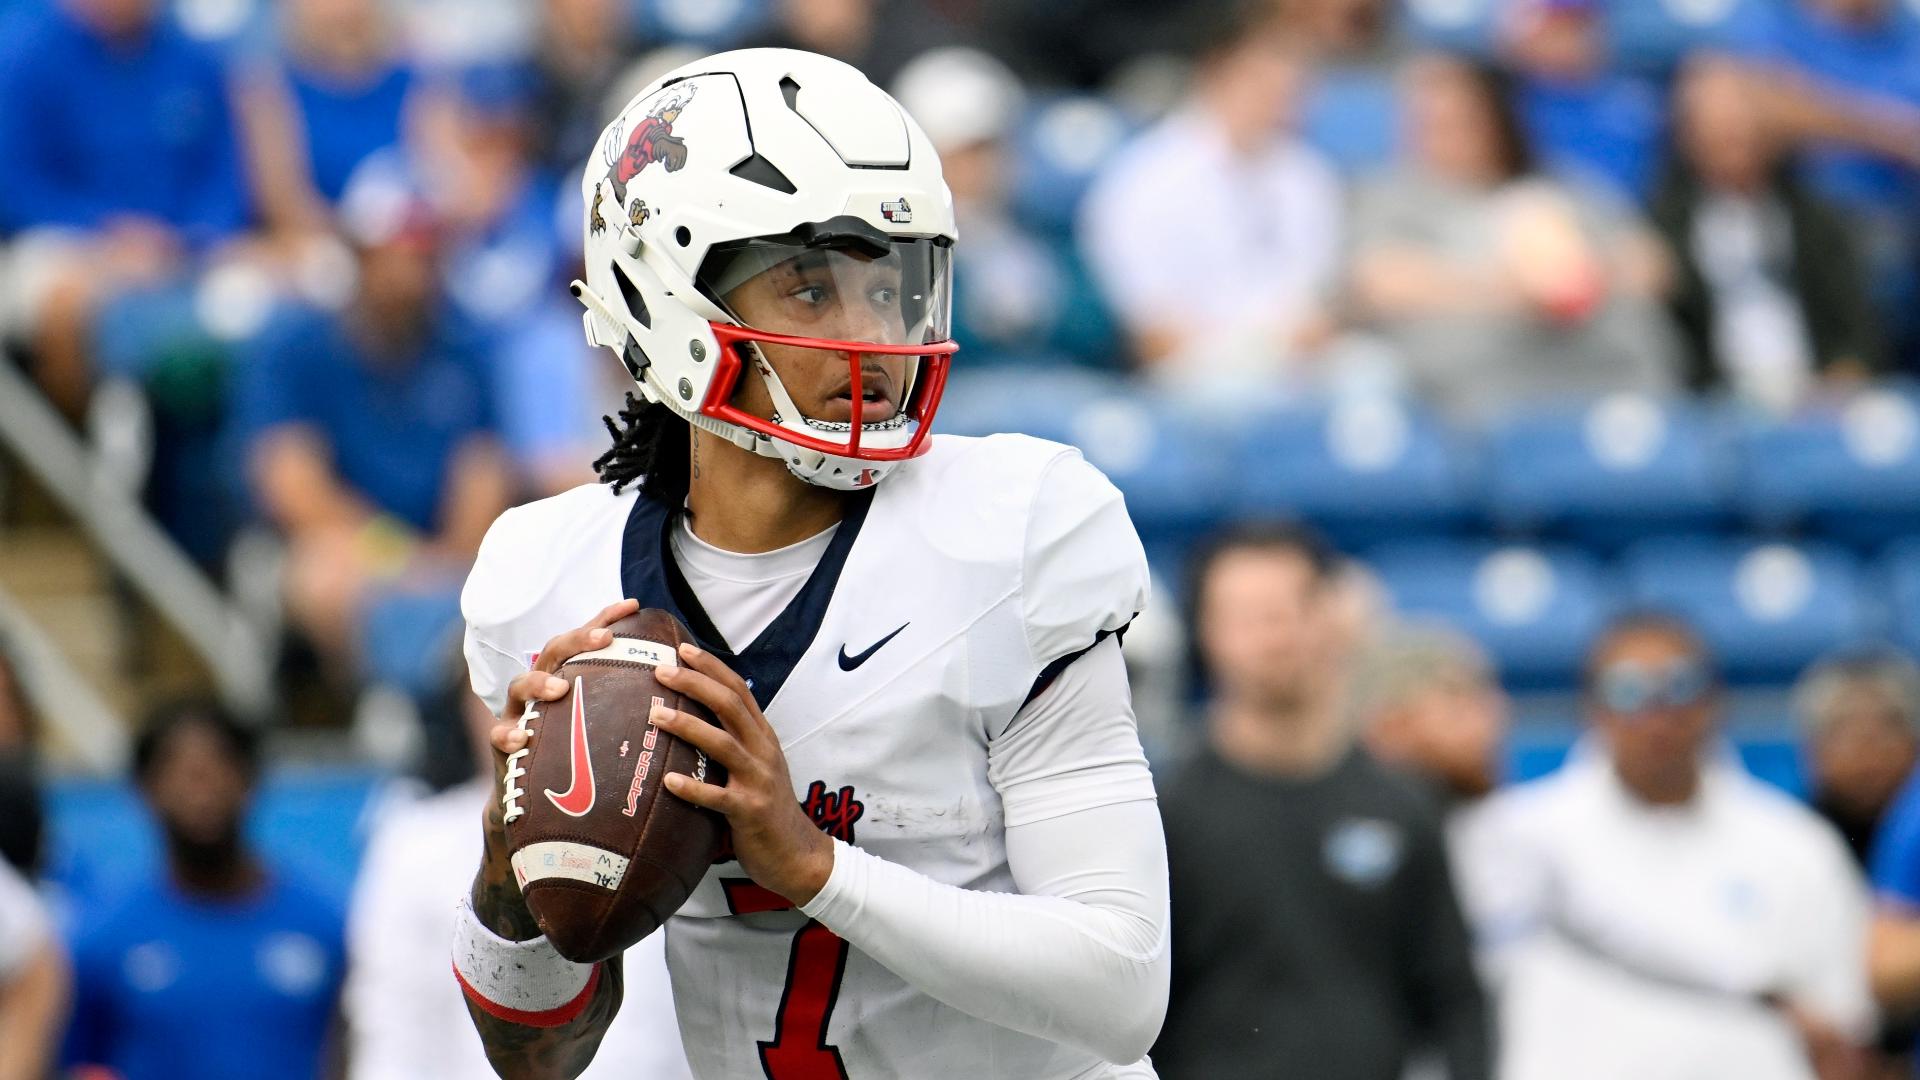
(1574, 338)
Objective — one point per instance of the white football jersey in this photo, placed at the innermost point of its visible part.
(948, 596)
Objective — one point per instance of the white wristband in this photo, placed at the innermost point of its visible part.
(521, 982)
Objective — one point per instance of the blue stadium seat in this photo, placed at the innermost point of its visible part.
(1899, 578)
(1535, 609)
(1171, 463)
(1653, 35)
(1767, 609)
(1609, 472)
(1353, 115)
(1463, 26)
(1059, 147)
(1851, 475)
(1039, 402)
(1366, 471)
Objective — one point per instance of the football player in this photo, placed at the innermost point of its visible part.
(946, 858)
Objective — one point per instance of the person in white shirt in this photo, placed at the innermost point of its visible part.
(35, 982)
(406, 1020)
(1652, 911)
(1216, 235)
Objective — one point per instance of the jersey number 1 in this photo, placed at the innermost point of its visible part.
(799, 1049)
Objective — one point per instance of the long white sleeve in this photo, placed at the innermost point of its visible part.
(1080, 954)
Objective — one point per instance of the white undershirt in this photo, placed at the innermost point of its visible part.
(743, 594)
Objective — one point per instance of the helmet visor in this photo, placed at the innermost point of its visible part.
(850, 330)
(859, 288)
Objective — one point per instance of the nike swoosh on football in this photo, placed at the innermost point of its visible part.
(848, 663)
(578, 798)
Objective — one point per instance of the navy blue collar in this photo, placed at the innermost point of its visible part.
(649, 574)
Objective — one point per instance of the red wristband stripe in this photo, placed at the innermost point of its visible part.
(546, 1018)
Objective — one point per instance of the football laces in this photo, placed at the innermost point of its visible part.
(510, 798)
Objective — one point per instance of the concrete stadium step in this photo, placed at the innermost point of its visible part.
(63, 587)
(48, 560)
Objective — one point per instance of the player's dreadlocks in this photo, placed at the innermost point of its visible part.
(650, 448)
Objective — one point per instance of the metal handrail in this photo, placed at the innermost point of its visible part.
(235, 650)
(88, 730)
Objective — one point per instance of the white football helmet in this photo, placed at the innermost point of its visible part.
(748, 161)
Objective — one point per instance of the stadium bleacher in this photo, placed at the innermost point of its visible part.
(1534, 608)
(1609, 472)
(1849, 473)
(1532, 532)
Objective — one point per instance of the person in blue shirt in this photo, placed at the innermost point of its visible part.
(500, 206)
(1841, 78)
(223, 966)
(1856, 66)
(369, 433)
(348, 83)
(1893, 955)
(333, 92)
(1586, 120)
(122, 162)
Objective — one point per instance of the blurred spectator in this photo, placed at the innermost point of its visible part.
(876, 36)
(370, 435)
(548, 360)
(448, 35)
(20, 800)
(1497, 285)
(1319, 935)
(1653, 911)
(1017, 298)
(35, 982)
(1351, 112)
(1425, 700)
(1089, 43)
(122, 163)
(496, 207)
(406, 1017)
(1215, 235)
(1585, 119)
(223, 965)
(1860, 716)
(584, 47)
(339, 96)
(1771, 292)
(1842, 78)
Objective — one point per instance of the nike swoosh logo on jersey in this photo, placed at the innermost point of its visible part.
(848, 663)
(578, 798)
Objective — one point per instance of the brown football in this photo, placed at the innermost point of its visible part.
(602, 851)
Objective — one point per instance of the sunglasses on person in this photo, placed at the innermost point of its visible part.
(1629, 687)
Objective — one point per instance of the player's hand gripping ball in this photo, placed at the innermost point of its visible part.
(603, 854)
(776, 842)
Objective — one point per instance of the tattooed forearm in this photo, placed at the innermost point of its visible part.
(496, 895)
(518, 1052)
